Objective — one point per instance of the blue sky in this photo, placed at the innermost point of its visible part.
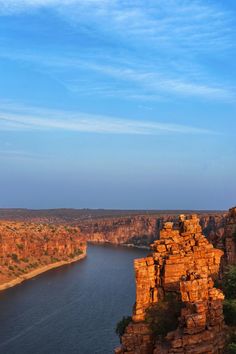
(118, 104)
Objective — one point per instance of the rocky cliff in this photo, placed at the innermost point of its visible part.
(223, 236)
(137, 230)
(229, 238)
(184, 265)
(142, 230)
(27, 247)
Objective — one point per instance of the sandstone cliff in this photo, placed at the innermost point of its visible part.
(137, 230)
(26, 247)
(184, 264)
(144, 229)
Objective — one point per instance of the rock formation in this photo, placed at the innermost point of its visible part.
(229, 239)
(223, 236)
(25, 247)
(184, 264)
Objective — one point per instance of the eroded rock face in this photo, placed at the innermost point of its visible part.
(27, 246)
(137, 230)
(184, 263)
(143, 230)
(230, 238)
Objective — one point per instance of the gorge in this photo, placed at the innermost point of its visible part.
(184, 262)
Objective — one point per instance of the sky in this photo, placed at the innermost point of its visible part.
(122, 104)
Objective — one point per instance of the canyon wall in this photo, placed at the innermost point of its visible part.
(144, 229)
(137, 230)
(228, 241)
(183, 264)
(26, 247)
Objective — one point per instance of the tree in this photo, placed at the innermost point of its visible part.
(229, 283)
(163, 316)
(121, 325)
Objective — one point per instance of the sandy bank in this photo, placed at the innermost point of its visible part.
(38, 271)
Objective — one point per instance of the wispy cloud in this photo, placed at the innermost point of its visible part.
(153, 48)
(151, 83)
(31, 118)
(19, 154)
(194, 23)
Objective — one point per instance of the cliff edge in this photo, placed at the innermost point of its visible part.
(28, 249)
(183, 267)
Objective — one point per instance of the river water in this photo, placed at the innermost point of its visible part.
(72, 309)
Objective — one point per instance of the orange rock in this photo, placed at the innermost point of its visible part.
(183, 262)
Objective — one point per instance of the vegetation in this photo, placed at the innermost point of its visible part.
(234, 236)
(231, 349)
(121, 325)
(163, 316)
(229, 288)
(229, 283)
(14, 257)
(230, 312)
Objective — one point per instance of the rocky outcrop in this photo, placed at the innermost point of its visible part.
(185, 264)
(26, 247)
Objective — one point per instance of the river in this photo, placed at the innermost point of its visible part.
(71, 309)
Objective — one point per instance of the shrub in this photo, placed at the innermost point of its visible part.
(231, 349)
(121, 325)
(163, 316)
(234, 236)
(229, 283)
(230, 312)
(14, 257)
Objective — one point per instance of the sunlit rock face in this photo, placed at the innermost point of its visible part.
(184, 263)
(25, 247)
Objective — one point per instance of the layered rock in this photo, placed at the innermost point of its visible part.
(26, 246)
(183, 263)
(229, 241)
(136, 230)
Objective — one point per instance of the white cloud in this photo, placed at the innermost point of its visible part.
(150, 84)
(171, 31)
(30, 118)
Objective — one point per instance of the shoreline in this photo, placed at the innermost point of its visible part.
(39, 271)
(130, 245)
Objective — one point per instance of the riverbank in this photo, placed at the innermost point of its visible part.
(130, 245)
(39, 271)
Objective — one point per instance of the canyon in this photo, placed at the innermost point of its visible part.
(34, 241)
(189, 252)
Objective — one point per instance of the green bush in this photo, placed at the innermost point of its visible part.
(121, 325)
(14, 257)
(229, 283)
(163, 316)
(231, 349)
(230, 312)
